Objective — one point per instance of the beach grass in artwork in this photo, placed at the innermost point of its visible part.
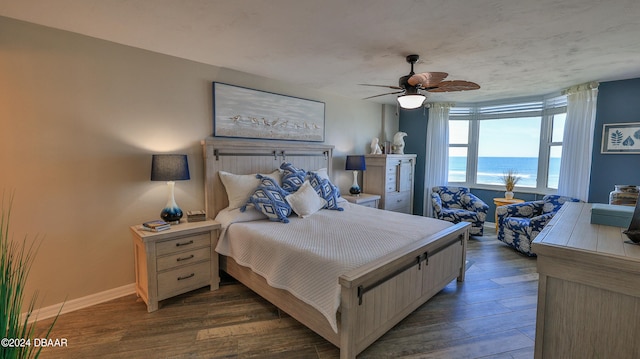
(248, 113)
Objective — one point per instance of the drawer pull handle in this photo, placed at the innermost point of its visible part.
(186, 276)
(184, 258)
(184, 244)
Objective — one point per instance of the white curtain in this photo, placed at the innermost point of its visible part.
(577, 144)
(437, 152)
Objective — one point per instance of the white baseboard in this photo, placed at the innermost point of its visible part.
(84, 302)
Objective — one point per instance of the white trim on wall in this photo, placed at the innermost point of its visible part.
(80, 303)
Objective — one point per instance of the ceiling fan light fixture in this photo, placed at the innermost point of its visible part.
(410, 102)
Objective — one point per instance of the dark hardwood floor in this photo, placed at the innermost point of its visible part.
(490, 315)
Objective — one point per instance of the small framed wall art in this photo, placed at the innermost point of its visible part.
(621, 138)
(248, 113)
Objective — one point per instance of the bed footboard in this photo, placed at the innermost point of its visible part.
(376, 297)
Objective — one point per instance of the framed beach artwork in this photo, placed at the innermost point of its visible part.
(621, 138)
(247, 113)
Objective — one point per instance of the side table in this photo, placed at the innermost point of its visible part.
(175, 261)
(364, 199)
(504, 202)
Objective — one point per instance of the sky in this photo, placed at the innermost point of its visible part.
(518, 137)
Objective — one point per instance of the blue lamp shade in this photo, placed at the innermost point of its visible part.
(355, 164)
(170, 168)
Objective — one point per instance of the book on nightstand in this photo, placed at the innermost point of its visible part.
(156, 225)
(196, 216)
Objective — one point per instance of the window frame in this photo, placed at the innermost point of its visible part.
(543, 107)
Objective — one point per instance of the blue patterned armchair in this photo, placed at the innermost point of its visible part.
(457, 204)
(520, 223)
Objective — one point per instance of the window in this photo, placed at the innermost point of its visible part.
(458, 150)
(487, 140)
(510, 143)
(555, 149)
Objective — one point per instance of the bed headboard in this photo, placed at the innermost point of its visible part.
(240, 156)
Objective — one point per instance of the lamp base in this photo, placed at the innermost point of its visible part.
(171, 215)
(355, 188)
(171, 212)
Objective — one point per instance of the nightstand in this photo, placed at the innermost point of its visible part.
(504, 202)
(175, 261)
(364, 199)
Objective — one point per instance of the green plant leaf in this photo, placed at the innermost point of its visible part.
(16, 259)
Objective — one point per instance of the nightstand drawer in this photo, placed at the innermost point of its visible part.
(372, 204)
(183, 258)
(180, 280)
(398, 201)
(183, 244)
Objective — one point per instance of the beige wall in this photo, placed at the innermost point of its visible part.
(80, 119)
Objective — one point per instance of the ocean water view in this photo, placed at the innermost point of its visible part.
(491, 169)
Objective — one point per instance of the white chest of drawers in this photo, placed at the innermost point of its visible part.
(175, 261)
(391, 177)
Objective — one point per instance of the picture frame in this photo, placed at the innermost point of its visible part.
(247, 113)
(621, 138)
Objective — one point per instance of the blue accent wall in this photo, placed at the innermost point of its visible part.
(414, 123)
(618, 101)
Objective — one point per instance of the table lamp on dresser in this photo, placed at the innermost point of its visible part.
(170, 168)
(355, 164)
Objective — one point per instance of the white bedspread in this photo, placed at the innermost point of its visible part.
(306, 256)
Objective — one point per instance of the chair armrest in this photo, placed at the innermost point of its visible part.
(475, 204)
(524, 210)
(436, 202)
(537, 223)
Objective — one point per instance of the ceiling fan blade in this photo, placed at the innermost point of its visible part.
(454, 85)
(387, 86)
(384, 94)
(427, 79)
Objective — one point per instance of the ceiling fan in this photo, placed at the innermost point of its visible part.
(412, 86)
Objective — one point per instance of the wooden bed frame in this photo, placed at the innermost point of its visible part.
(374, 297)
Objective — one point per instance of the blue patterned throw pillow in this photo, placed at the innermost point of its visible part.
(325, 189)
(269, 198)
(292, 177)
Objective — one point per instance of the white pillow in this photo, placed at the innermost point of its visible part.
(305, 201)
(228, 216)
(323, 173)
(240, 187)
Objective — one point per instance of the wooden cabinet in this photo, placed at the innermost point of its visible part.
(588, 291)
(392, 178)
(175, 261)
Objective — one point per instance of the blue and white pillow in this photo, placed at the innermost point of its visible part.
(325, 189)
(269, 198)
(292, 177)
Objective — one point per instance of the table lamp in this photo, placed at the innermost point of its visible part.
(170, 168)
(355, 164)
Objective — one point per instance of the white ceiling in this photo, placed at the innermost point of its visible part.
(512, 48)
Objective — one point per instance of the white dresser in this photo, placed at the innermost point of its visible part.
(392, 178)
(589, 288)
